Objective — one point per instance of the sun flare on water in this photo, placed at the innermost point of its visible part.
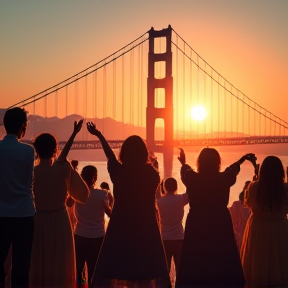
(198, 113)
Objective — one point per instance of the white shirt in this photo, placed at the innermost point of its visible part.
(16, 178)
(90, 215)
(171, 209)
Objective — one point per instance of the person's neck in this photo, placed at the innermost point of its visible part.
(18, 136)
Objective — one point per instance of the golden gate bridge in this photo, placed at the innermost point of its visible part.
(136, 91)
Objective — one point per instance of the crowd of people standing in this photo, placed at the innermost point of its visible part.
(145, 230)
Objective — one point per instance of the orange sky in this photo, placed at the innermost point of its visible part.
(43, 43)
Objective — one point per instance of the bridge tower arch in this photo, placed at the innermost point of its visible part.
(165, 113)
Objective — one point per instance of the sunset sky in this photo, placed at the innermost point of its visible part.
(44, 42)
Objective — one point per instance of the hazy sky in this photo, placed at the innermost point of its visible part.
(44, 42)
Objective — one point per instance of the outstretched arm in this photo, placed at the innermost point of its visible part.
(68, 145)
(107, 149)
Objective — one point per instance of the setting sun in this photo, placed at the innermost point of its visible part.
(198, 113)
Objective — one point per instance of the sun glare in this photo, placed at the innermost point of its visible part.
(198, 113)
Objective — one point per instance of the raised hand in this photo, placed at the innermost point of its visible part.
(91, 127)
(182, 157)
(250, 157)
(78, 126)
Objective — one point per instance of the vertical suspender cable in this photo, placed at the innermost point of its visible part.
(76, 95)
(138, 93)
(183, 92)
(45, 105)
(231, 111)
(85, 97)
(176, 90)
(191, 78)
(131, 86)
(104, 98)
(211, 106)
(141, 89)
(122, 94)
(56, 103)
(66, 92)
(218, 107)
(204, 92)
(114, 88)
(197, 123)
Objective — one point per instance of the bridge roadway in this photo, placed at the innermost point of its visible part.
(115, 144)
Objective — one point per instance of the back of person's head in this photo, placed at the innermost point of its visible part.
(46, 146)
(241, 194)
(133, 151)
(89, 175)
(209, 161)
(14, 120)
(105, 186)
(74, 164)
(170, 185)
(270, 194)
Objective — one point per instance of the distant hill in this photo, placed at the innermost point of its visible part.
(62, 128)
(115, 130)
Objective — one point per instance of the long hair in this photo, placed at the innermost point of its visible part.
(271, 194)
(208, 161)
(89, 175)
(133, 151)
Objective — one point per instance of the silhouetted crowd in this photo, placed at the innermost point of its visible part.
(54, 231)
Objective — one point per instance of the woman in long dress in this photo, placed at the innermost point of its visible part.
(209, 256)
(132, 251)
(264, 250)
(53, 256)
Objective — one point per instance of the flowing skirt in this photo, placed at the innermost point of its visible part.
(264, 252)
(53, 257)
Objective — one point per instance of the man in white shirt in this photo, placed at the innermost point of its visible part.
(16, 198)
(171, 209)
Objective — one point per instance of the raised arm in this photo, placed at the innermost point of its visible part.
(185, 167)
(107, 149)
(68, 145)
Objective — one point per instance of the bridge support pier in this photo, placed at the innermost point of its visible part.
(165, 113)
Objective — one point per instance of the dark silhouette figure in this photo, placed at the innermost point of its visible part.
(264, 250)
(132, 249)
(209, 256)
(90, 225)
(16, 200)
(53, 258)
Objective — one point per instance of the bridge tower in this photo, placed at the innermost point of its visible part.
(165, 113)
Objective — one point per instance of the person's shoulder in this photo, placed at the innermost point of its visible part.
(99, 192)
(27, 147)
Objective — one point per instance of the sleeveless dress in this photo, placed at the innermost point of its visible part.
(264, 250)
(53, 257)
(132, 252)
(209, 255)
